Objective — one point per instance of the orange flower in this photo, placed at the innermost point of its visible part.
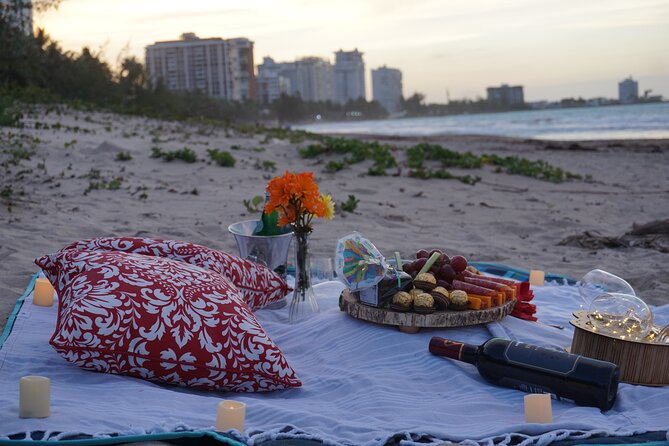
(295, 196)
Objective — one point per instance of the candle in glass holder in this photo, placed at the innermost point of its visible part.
(230, 415)
(34, 397)
(538, 408)
(43, 294)
(537, 277)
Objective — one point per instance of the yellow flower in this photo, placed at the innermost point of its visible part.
(329, 206)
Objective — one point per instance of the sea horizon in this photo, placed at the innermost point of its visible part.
(633, 121)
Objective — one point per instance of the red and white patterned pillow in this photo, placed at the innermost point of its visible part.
(258, 285)
(162, 320)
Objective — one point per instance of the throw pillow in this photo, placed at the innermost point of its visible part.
(258, 284)
(160, 319)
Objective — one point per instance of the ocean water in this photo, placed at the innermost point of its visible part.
(639, 121)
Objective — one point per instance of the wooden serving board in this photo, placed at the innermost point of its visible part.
(411, 322)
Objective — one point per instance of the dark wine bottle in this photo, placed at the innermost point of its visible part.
(533, 369)
(269, 223)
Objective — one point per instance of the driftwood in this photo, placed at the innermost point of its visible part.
(653, 235)
(351, 305)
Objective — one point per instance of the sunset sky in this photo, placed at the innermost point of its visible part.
(554, 48)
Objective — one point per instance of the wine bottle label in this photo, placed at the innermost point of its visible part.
(537, 358)
(531, 388)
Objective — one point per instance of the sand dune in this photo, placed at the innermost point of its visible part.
(504, 218)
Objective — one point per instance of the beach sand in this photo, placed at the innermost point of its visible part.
(510, 219)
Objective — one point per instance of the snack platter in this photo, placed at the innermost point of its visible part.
(412, 322)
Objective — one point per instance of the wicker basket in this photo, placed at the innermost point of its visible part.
(640, 362)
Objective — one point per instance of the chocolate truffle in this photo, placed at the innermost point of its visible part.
(403, 300)
(440, 295)
(458, 300)
(423, 301)
(415, 292)
(425, 281)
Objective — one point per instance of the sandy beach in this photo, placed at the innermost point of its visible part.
(510, 219)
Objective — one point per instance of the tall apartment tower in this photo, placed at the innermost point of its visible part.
(506, 95)
(18, 13)
(387, 88)
(242, 69)
(271, 81)
(628, 91)
(349, 73)
(314, 79)
(217, 67)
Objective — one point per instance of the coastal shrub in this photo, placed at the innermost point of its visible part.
(222, 157)
(442, 174)
(7, 191)
(350, 204)
(185, 154)
(10, 116)
(123, 156)
(448, 158)
(383, 159)
(114, 184)
(254, 205)
(539, 169)
(311, 151)
(334, 166)
(266, 165)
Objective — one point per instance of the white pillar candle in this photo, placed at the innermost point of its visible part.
(230, 415)
(43, 294)
(537, 277)
(34, 397)
(538, 408)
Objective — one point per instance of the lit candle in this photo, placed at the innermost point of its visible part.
(230, 415)
(34, 397)
(43, 295)
(537, 277)
(538, 408)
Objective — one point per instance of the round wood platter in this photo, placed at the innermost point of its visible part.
(410, 322)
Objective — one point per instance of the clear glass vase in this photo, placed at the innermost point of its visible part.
(303, 304)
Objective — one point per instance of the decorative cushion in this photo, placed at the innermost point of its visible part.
(162, 320)
(257, 284)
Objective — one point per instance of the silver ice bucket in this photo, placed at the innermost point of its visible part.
(269, 250)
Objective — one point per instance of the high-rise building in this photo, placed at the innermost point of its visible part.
(18, 13)
(314, 79)
(217, 67)
(349, 74)
(506, 95)
(242, 69)
(387, 88)
(271, 80)
(628, 91)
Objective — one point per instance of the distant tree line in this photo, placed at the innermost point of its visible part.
(37, 69)
(415, 106)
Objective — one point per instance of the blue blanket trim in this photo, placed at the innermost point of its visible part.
(517, 273)
(129, 439)
(19, 303)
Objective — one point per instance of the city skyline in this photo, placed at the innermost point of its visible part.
(554, 49)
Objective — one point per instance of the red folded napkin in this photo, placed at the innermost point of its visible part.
(523, 308)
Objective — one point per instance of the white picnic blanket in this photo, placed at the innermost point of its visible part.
(362, 384)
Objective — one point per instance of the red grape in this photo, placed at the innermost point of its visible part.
(407, 267)
(445, 284)
(422, 254)
(459, 263)
(446, 273)
(436, 250)
(419, 263)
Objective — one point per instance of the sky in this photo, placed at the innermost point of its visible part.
(444, 48)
